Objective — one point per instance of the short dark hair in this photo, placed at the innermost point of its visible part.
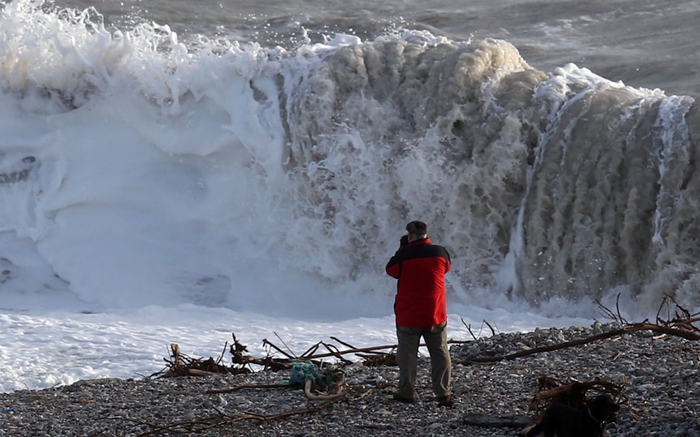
(417, 228)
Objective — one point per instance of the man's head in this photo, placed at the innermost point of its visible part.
(417, 230)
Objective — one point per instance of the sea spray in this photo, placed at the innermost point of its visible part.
(232, 174)
(470, 138)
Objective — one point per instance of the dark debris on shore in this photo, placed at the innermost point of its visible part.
(652, 369)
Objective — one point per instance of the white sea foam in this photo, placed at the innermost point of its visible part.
(57, 348)
(151, 193)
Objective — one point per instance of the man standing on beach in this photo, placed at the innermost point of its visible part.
(421, 311)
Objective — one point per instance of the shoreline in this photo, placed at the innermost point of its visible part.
(660, 376)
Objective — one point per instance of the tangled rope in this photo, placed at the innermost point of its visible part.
(306, 375)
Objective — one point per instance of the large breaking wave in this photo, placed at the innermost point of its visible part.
(136, 168)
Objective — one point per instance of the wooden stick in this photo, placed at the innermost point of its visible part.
(626, 330)
(267, 343)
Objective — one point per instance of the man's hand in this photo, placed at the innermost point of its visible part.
(404, 240)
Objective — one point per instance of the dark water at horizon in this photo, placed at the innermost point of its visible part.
(643, 43)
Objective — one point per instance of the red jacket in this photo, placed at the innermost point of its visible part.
(420, 268)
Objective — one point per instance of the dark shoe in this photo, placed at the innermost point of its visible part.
(446, 401)
(398, 397)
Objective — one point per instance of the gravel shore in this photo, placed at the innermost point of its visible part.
(659, 374)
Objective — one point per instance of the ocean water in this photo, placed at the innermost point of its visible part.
(191, 169)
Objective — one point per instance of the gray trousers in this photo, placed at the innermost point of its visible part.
(407, 358)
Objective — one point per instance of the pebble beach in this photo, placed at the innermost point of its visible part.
(659, 375)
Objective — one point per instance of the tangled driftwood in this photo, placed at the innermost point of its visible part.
(550, 390)
(574, 393)
(681, 325)
(180, 364)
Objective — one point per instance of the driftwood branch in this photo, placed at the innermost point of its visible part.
(267, 343)
(200, 425)
(688, 335)
(474, 336)
(242, 386)
(500, 421)
(681, 326)
(347, 345)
